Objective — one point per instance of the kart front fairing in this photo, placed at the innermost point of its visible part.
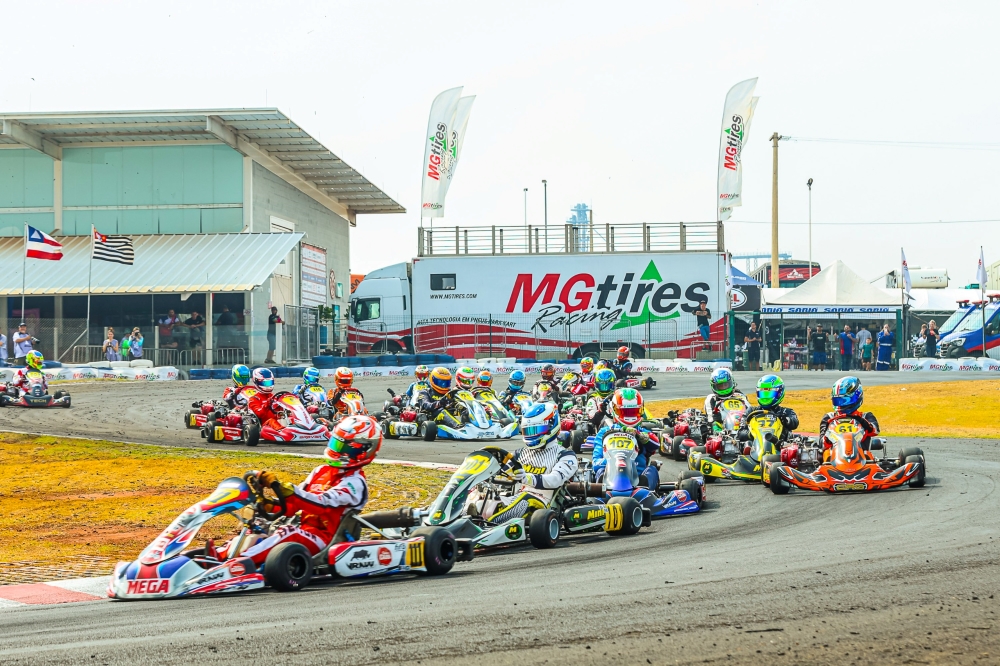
(478, 425)
(622, 479)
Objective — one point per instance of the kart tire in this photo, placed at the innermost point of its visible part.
(59, 394)
(577, 437)
(543, 528)
(921, 478)
(387, 430)
(69, 401)
(288, 567)
(251, 434)
(772, 458)
(675, 447)
(209, 429)
(693, 489)
(631, 515)
(689, 474)
(778, 484)
(440, 549)
(187, 417)
(430, 431)
(910, 451)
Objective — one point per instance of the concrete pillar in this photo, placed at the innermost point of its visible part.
(209, 346)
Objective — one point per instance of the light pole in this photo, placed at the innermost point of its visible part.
(526, 208)
(809, 183)
(545, 188)
(775, 268)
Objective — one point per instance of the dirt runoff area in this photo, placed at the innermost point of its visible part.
(75, 507)
(941, 409)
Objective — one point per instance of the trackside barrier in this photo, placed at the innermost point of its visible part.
(88, 374)
(949, 365)
(501, 369)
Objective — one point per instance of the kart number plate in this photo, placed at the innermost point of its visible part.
(464, 395)
(733, 405)
(400, 429)
(846, 427)
(415, 554)
(619, 442)
(850, 486)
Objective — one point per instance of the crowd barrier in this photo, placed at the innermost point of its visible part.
(645, 367)
(84, 373)
(949, 365)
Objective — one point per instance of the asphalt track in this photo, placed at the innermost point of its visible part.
(900, 577)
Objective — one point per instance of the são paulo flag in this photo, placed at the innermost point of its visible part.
(42, 246)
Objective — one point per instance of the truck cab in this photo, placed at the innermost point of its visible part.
(968, 336)
(379, 320)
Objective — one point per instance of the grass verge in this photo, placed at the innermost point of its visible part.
(69, 500)
(934, 409)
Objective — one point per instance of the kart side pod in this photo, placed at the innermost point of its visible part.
(610, 517)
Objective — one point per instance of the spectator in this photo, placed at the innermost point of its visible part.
(135, 341)
(3, 349)
(772, 338)
(196, 328)
(818, 342)
(272, 334)
(704, 315)
(863, 336)
(226, 324)
(110, 347)
(886, 342)
(752, 340)
(23, 343)
(930, 349)
(847, 341)
(166, 325)
(867, 348)
(227, 318)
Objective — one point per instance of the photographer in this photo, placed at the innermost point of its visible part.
(23, 343)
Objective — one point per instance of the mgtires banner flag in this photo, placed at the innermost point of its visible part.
(445, 135)
(736, 117)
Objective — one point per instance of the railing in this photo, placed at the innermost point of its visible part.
(180, 358)
(571, 239)
(300, 333)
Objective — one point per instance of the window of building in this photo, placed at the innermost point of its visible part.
(442, 281)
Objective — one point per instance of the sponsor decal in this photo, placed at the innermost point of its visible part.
(215, 575)
(513, 531)
(237, 568)
(384, 556)
(149, 586)
(361, 555)
(850, 486)
(739, 298)
(439, 144)
(360, 565)
(733, 138)
(594, 514)
(415, 554)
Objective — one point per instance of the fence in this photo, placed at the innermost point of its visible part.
(572, 239)
(178, 358)
(301, 333)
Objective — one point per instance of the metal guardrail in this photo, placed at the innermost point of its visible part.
(571, 239)
(179, 358)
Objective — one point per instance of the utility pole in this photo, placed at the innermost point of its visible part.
(545, 188)
(775, 268)
(526, 208)
(809, 183)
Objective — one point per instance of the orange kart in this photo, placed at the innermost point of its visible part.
(849, 465)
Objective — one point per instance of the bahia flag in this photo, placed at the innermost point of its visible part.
(39, 245)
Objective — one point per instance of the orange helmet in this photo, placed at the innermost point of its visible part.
(440, 380)
(421, 373)
(623, 353)
(465, 378)
(586, 365)
(626, 407)
(548, 373)
(484, 378)
(354, 442)
(343, 378)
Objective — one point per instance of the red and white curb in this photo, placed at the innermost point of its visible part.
(55, 592)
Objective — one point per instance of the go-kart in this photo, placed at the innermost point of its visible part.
(244, 425)
(728, 460)
(849, 466)
(573, 384)
(685, 430)
(465, 418)
(400, 416)
(475, 491)
(494, 408)
(621, 478)
(34, 395)
(204, 410)
(313, 397)
(171, 567)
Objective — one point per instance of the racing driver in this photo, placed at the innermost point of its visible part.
(260, 403)
(233, 395)
(626, 413)
(344, 380)
(33, 363)
(847, 396)
(770, 393)
(723, 388)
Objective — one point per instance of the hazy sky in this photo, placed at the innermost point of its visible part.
(618, 105)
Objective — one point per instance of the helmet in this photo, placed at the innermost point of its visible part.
(626, 407)
(847, 394)
(34, 360)
(310, 375)
(440, 380)
(484, 378)
(540, 425)
(604, 381)
(343, 378)
(465, 378)
(241, 375)
(623, 353)
(586, 365)
(354, 442)
(263, 379)
(723, 383)
(770, 391)
(516, 380)
(421, 373)
(601, 363)
(548, 373)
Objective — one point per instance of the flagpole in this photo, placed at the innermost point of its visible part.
(24, 268)
(90, 278)
(982, 293)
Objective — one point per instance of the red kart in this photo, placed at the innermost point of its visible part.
(204, 410)
(684, 430)
(245, 426)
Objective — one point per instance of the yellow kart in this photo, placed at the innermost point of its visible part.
(719, 459)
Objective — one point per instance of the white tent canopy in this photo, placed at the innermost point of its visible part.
(834, 290)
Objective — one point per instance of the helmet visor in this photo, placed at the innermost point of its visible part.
(845, 400)
(604, 385)
(629, 413)
(536, 430)
(517, 383)
(265, 383)
(440, 385)
(768, 396)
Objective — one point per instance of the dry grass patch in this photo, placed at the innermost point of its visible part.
(932, 409)
(65, 498)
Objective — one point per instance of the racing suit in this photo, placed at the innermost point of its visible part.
(333, 399)
(789, 421)
(647, 447)
(714, 402)
(557, 395)
(233, 396)
(261, 405)
(602, 408)
(867, 421)
(301, 389)
(545, 471)
(622, 370)
(507, 396)
(20, 380)
(322, 498)
(432, 405)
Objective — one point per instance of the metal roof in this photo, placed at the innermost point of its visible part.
(265, 134)
(173, 264)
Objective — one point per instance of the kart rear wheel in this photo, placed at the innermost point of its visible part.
(779, 486)
(772, 458)
(387, 430)
(921, 478)
(429, 431)
(251, 434)
(59, 394)
(577, 437)
(631, 515)
(543, 528)
(187, 418)
(288, 568)
(693, 489)
(440, 549)
(209, 430)
(910, 451)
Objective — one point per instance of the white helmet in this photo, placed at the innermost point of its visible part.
(540, 425)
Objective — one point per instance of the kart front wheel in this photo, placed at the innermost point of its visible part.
(288, 568)
(577, 437)
(768, 459)
(910, 451)
(779, 486)
(693, 489)
(543, 528)
(440, 549)
(429, 430)
(675, 447)
(920, 479)
(251, 434)
(631, 516)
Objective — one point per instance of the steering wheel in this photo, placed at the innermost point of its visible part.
(257, 493)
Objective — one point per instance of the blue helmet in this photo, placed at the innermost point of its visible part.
(604, 381)
(517, 379)
(310, 375)
(540, 425)
(723, 383)
(847, 394)
(241, 375)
